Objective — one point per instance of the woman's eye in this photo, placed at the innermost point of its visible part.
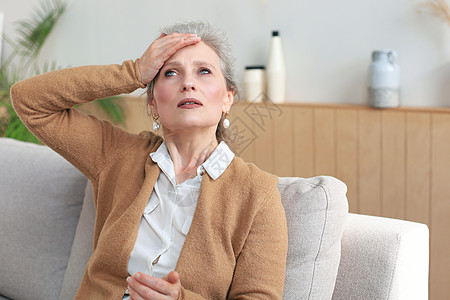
(205, 71)
(169, 73)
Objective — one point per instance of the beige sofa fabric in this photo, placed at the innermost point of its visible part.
(316, 209)
(383, 258)
(40, 200)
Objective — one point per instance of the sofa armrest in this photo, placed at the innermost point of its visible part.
(383, 258)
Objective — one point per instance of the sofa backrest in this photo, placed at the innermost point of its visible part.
(40, 199)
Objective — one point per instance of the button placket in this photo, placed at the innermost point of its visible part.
(167, 228)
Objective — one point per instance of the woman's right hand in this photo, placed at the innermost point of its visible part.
(160, 50)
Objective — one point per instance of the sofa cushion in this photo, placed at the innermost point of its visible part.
(81, 248)
(40, 196)
(316, 209)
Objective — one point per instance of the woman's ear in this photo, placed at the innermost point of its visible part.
(228, 101)
(151, 102)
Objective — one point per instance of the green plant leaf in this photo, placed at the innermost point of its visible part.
(112, 109)
(15, 129)
(22, 62)
(34, 32)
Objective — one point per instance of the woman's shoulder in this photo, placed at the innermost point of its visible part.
(140, 145)
(150, 140)
(245, 169)
(251, 178)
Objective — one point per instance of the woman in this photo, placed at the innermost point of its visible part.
(147, 189)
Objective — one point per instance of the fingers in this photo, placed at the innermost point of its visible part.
(160, 50)
(143, 286)
(140, 287)
(170, 44)
(173, 277)
(134, 295)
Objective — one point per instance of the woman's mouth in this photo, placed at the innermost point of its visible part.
(189, 103)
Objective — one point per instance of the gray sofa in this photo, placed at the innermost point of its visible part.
(47, 216)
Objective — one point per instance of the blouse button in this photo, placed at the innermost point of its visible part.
(156, 260)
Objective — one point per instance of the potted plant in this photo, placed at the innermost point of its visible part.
(23, 63)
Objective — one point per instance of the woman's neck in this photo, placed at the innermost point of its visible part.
(188, 151)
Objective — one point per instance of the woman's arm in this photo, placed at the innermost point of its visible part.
(45, 105)
(261, 265)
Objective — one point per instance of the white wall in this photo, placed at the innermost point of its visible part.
(327, 43)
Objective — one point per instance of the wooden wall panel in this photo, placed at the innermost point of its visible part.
(284, 135)
(369, 154)
(418, 167)
(347, 154)
(264, 148)
(393, 165)
(243, 135)
(440, 208)
(256, 120)
(303, 142)
(324, 141)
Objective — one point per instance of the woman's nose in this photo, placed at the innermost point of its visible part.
(189, 86)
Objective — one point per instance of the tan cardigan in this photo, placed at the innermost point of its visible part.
(236, 246)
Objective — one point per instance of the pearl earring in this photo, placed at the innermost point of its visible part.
(226, 122)
(155, 123)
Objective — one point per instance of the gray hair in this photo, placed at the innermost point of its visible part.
(214, 38)
(218, 41)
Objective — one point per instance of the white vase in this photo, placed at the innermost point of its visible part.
(276, 71)
(254, 83)
(384, 79)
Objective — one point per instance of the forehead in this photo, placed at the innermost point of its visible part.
(196, 52)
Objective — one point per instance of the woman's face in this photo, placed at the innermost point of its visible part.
(190, 91)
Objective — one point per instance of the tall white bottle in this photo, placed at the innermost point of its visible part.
(276, 71)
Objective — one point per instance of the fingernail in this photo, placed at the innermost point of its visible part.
(129, 280)
(137, 275)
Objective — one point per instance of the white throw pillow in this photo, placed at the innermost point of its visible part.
(316, 209)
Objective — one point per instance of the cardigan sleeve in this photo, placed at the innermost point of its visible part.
(261, 265)
(45, 105)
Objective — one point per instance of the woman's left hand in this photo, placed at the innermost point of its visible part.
(142, 286)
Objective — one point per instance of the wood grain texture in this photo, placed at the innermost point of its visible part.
(347, 154)
(418, 167)
(284, 135)
(242, 134)
(324, 142)
(393, 204)
(303, 159)
(440, 208)
(369, 154)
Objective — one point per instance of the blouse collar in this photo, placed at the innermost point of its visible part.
(215, 165)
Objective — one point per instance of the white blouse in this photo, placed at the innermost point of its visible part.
(168, 215)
